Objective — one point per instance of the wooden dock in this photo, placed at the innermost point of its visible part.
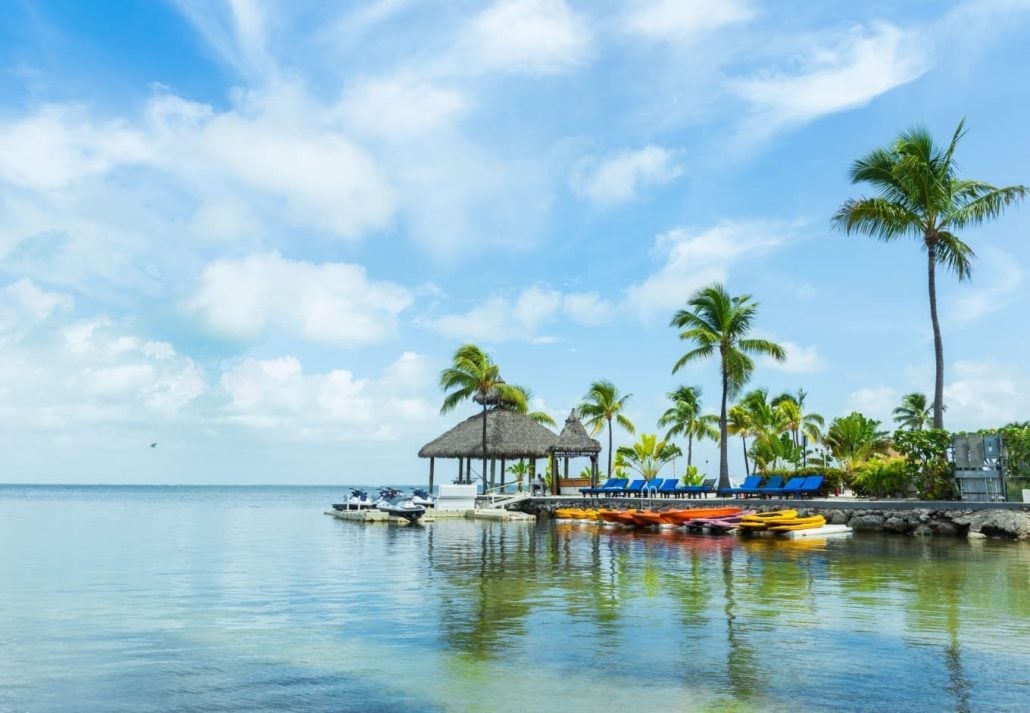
(378, 516)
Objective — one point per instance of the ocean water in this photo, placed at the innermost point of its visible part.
(250, 599)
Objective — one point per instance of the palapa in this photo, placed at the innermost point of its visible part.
(509, 435)
(573, 439)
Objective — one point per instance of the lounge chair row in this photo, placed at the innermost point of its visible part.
(666, 488)
(796, 487)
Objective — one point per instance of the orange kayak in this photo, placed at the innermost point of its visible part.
(626, 517)
(609, 515)
(681, 516)
(647, 518)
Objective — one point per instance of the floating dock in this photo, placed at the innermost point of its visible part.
(378, 516)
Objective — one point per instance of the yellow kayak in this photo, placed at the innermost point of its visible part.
(568, 513)
(766, 516)
(799, 523)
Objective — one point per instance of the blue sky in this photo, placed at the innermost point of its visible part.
(255, 232)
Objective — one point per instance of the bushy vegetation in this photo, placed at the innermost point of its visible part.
(925, 454)
(881, 477)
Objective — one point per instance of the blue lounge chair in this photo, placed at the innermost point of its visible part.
(634, 488)
(594, 491)
(771, 486)
(813, 484)
(748, 487)
(698, 491)
(793, 487)
(669, 488)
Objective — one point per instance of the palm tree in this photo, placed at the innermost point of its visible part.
(601, 405)
(920, 195)
(649, 455)
(799, 423)
(473, 375)
(684, 418)
(738, 423)
(854, 438)
(522, 406)
(720, 324)
(913, 413)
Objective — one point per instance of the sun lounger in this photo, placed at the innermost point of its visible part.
(698, 491)
(813, 484)
(669, 489)
(612, 483)
(748, 487)
(634, 488)
(771, 486)
(793, 487)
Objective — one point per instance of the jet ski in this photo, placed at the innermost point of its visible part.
(393, 503)
(358, 500)
(422, 497)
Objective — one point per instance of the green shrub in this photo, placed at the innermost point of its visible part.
(926, 458)
(693, 476)
(882, 478)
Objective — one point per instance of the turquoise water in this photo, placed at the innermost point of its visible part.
(249, 599)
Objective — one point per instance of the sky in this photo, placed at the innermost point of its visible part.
(253, 233)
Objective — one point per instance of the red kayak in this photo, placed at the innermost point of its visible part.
(683, 516)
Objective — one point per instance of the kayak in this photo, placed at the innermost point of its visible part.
(817, 532)
(720, 524)
(609, 516)
(626, 518)
(682, 516)
(799, 523)
(647, 518)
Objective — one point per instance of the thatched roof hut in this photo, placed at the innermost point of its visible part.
(573, 439)
(509, 434)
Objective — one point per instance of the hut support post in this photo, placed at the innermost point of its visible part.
(555, 481)
(593, 471)
(502, 473)
(461, 470)
(566, 476)
(432, 464)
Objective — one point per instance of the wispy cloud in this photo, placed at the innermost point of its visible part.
(996, 286)
(681, 22)
(619, 178)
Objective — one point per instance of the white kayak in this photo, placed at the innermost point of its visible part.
(824, 531)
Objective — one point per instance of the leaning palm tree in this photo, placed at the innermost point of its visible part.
(920, 195)
(473, 375)
(600, 406)
(914, 412)
(719, 325)
(684, 418)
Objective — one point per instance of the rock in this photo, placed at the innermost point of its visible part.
(837, 517)
(866, 523)
(923, 531)
(1011, 524)
(944, 528)
(976, 535)
(895, 524)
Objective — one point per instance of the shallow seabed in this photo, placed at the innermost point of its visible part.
(249, 599)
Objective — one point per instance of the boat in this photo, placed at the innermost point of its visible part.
(392, 503)
(358, 500)
(626, 518)
(566, 513)
(422, 497)
(824, 531)
(609, 517)
(647, 518)
(683, 516)
(719, 524)
(798, 523)
(761, 521)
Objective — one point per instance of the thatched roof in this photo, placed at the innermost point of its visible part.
(573, 440)
(509, 434)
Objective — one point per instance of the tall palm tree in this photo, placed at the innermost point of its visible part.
(720, 325)
(473, 375)
(684, 418)
(920, 195)
(601, 405)
(914, 412)
(799, 423)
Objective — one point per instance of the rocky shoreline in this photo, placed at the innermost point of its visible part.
(916, 519)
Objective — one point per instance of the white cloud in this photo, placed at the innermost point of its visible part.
(332, 303)
(501, 319)
(986, 393)
(842, 72)
(38, 304)
(618, 179)
(276, 396)
(682, 22)
(995, 286)
(800, 359)
(401, 107)
(875, 402)
(526, 36)
(692, 259)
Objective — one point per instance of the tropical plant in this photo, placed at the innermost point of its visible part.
(602, 405)
(520, 470)
(801, 425)
(854, 439)
(926, 457)
(684, 418)
(693, 476)
(920, 195)
(719, 324)
(882, 477)
(914, 413)
(738, 423)
(649, 454)
(473, 375)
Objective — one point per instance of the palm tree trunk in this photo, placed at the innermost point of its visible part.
(747, 466)
(938, 346)
(724, 461)
(483, 474)
(609, 448)
(690, 450)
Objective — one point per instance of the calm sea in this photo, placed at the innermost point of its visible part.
(250, 599)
